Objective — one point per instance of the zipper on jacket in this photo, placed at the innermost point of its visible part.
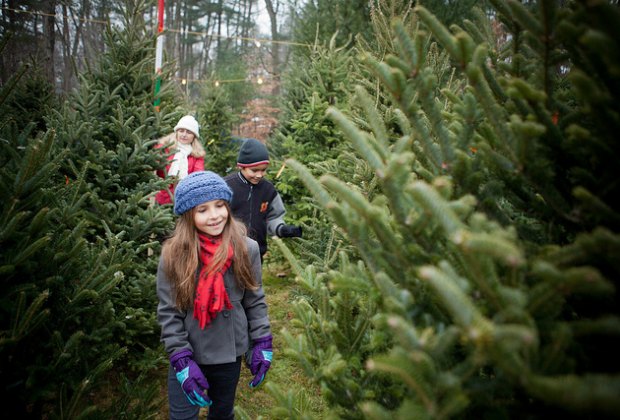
(250, 200)
(248, 183)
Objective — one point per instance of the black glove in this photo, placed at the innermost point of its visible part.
(288, 231)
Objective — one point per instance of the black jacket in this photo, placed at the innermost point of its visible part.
(259, 207)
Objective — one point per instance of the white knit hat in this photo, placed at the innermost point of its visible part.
(189, 123)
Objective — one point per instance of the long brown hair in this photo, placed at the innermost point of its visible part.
(181, 256)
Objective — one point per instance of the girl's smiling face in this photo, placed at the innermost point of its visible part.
(210, 217)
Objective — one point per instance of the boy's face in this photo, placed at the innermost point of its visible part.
(254, 174)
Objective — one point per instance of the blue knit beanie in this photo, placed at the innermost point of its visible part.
(197, 188)
(252, 153)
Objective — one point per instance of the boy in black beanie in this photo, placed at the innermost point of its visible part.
(255, 200)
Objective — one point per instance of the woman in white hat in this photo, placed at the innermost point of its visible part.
(186, 155)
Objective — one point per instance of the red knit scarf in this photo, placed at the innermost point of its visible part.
(211, 296)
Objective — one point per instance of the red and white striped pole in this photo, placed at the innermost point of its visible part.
(159, 51)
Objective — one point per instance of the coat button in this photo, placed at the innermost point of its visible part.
(226, 314)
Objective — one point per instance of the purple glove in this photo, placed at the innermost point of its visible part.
(259, 364)
(193, 381)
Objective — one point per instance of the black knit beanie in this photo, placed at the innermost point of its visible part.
(252, 153)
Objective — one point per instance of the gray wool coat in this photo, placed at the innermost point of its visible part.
(230, 334)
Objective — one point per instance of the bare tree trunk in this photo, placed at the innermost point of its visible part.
(275, 46)
(219, 26)
(176, 47)
(8, 63)
(246, 18)
(170, 36)
(94, 44)
(234, 20)
(66, 51)
(49, 41)
(79, 23)
(206, 44)
(183, 59)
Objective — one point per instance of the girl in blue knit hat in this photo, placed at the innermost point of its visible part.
(211, 301)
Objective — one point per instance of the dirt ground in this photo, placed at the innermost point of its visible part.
(260, 117)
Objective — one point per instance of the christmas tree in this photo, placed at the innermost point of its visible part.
(486, 278)
(78, 293)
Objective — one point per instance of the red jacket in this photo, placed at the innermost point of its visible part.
(193, 164)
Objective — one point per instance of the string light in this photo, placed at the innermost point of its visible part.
(216, 83)
(32, 12)
(256, 41)
(184, 32)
